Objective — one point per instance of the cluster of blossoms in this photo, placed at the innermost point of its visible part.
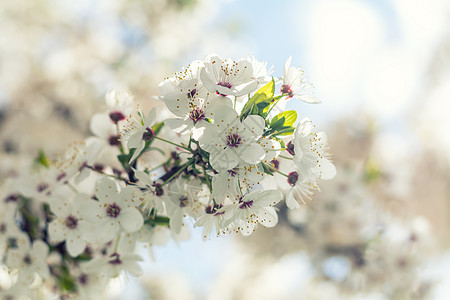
(74, 222)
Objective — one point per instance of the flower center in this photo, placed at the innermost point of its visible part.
(275, 163)
(27, 260)
(113, 210)
(246, 205)
(113, 140)
(192, 93)
(83, 279)
(212, 209)
(184, 201)
(290, 148)
(116, 116)
(159, 191)
(148, 135)
(234, 140)
(286, 89)
(42, 187)
(116, 259)
(233, 172)
(12, 198)
(292, 178)
(224, 84)
(196, 115)
(71, 222)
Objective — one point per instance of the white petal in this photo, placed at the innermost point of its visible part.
(109, 230)
(138, 151)
(328, 169)
(214, 103)
(224, 160)
(130, 197)
(135, 140)
(247, 228)
(106, 190)
(286, 67)
(246, 89)
(177, 124)
(268, 217)
(208, 81)
(150, 118)
(131, 219)
(102, 126)
(75, 244)
(127, 242)
(40, 249)
(56, 231)
(269, 197)
(143, 177)
(290, 200)
(308, 98)
(176, 220)
(253, 153)
(92, 210)
(220, 185)
(254, 124)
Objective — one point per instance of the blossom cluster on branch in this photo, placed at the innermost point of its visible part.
(74, 222)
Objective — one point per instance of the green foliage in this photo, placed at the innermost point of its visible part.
(289, 117)
(282, 123)
(66, 281)
(42, 159)
(260, 102)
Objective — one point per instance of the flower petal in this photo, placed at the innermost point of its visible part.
(252, 154)
(131, 219)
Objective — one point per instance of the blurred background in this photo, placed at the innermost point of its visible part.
(380, 230)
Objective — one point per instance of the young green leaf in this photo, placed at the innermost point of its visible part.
(290, 116)
(263, 95)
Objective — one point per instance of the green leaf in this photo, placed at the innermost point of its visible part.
(287, 130)
(42, 159)
(66, 281)
(262, 105)
(263, 95)
(124, 158)
(277, 124)
(290, 116)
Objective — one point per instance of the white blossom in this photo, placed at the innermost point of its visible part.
(229, 140)
(255, 207)
(137, 131)
(295, 85)
(113, 211)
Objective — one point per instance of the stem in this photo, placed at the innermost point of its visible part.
(235, 100)
(172, 143)
(285, 157)
(275, 170)
(182, 168)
